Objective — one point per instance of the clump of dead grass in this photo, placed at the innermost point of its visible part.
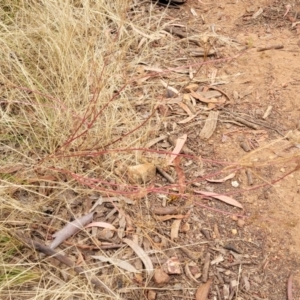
(63, 63)
(64, 75)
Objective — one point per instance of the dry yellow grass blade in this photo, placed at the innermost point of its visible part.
(65, 76)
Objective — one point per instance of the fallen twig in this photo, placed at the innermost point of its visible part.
(252, 124)
(238, 263)
(165, 174)
(169, 210)
(270, 47)
(268, 111)
(61, 258)
(206, 267)
(103, 246)
(247, 123)
(181, 34)
(245, 146)
(202, 53)
(249, 177)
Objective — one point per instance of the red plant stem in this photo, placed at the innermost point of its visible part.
(95, 154)
(133, 130)
(92, 181)
(96, 96)
(135, 190)
(93, 120)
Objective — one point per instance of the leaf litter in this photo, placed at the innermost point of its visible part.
(178, 147)
(142, 255)
(117, 262)
(223, 198)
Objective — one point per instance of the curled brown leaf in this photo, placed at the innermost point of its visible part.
(141, 254)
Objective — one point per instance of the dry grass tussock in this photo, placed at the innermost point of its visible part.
(65, 74)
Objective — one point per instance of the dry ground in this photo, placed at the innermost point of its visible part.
(86, 88)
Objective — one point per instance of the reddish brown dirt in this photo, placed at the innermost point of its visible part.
(273, 77)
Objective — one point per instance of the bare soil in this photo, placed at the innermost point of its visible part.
(269, 240)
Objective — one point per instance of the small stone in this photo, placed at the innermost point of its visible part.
(240, 222)
(235, 184)
(151, 295)
(234, 231)
(234, 218)
(187, 164)
(156, 239)
(170, 93)
(106, 234)
(185, 227)
(186, 98)
(172, 266)
(191, 88)
(282, 170)
(160, 277)
(233, 283)
(138, 278)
